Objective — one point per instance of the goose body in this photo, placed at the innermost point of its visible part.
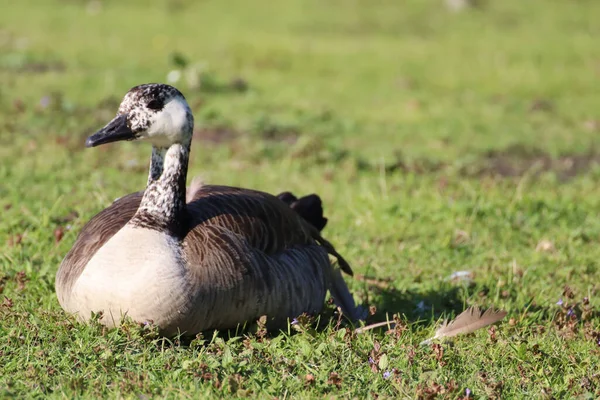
(224, 257)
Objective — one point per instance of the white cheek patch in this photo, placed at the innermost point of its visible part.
(170, 123)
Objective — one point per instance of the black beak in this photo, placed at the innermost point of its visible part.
(114, 131)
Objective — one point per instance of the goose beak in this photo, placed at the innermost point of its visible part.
(114, 131)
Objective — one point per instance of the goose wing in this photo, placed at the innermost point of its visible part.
(266, 222)
(259, 254)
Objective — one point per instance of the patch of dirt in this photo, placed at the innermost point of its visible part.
(209, 83)
(216, 135)
(516, 161)
(541, 105)
(223, 134)
(275, 134)
(239, 85)
(41, 67)
(419, 166)
(70, 217)
(511, 162)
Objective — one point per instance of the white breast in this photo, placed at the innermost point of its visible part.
(139, 273)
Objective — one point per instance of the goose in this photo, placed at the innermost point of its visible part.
(212, 258)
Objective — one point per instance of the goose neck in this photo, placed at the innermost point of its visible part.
(163, 203)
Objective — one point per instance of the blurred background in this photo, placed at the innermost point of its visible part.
(428, 79)
(442, 135)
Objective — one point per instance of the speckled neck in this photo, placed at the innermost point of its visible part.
(163, 205)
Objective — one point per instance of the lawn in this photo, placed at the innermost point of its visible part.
(439, 141)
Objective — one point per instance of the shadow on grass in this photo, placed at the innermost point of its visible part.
(417, 307)
(413, 308)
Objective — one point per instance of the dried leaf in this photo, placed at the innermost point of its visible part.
(468, 321)
(334, 379)
(59, 232)
(8, 303)
(309, 379)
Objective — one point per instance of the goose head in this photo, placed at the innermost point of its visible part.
(153, 112)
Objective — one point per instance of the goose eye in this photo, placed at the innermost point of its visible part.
(154, 105)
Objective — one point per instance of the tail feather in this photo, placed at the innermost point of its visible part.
(344, 266)
(308, 207)
(343, 298)
(311, 209)
(287, 197)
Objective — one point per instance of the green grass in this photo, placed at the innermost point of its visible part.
(439, 142)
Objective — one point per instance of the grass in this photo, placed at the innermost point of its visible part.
(439, 142)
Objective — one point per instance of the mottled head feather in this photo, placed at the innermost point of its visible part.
(158, 112)
(155, 94)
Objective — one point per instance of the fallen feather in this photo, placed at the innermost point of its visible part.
(468, 321)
